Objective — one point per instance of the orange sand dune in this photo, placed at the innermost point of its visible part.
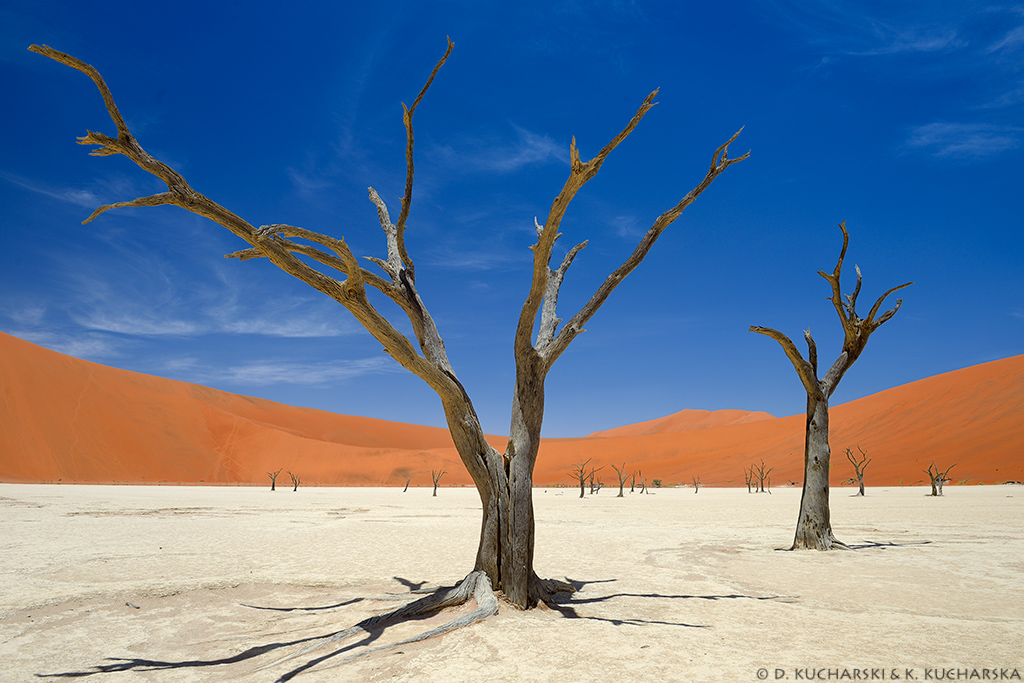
(67, 419)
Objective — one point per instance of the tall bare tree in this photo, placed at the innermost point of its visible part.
(621, 472)
(296, 480)
(938, 478)
(814, 526)
(436, 477)
(748, 479)
(696, 483)
(504, 480)
(859, 465)
(273, 479)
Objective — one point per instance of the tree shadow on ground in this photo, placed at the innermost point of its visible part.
(565, 604)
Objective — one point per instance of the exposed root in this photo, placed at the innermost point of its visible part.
(475, 586)
(545, 590)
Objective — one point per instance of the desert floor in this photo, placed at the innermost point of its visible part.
(210, 583)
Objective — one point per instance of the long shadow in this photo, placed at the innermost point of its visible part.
(119, 664)
(565, 606)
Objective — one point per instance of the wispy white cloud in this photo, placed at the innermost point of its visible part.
(626, 226)
(1012, 40)
(478, 154)
(87, 346)
(295, 328)
(261, 373)
(479, 259)
(964, 140)
(77, 196)
(139, 324)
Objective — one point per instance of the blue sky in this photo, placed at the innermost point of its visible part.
(904, 119)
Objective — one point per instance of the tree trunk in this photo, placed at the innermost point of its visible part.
(814, 526)
(860, 482)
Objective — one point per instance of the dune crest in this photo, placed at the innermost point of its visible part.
(74, 421)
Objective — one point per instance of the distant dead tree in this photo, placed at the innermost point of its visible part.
(938, 478)
(273, 479)
(814, 525)
(643, 482)
(595, 484)
(621, 473)
(759, 476)
(696, 484)
(406, 483)
(859, 465)
(632, 482)
(436, 476)
(581, 474)
(504, 560)
(748, 478)
(295, 480)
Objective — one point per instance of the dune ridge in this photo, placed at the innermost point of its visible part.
(69, 420)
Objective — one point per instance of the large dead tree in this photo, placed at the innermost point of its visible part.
(814, 526)
(273, 479)
(859, 465)
(504, 480)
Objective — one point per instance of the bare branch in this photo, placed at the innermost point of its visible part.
(407, 199)
(812, 351)
(807, 373)
(719, 162)
(888, 314)
(548, 318)
(153, 200)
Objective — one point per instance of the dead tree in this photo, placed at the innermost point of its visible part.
(643, 482)
(814, 526)
(581, 474)
(621, 472)
(406, 483)
(937, 478)
(696, 484)
(504, 559)
(436, 476)
(748, 479)
(859, 465)
(273, 479)
(758, 477)
(632, 482)
(295, 480)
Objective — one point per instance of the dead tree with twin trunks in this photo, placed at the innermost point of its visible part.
(814, 526)
(505, 554)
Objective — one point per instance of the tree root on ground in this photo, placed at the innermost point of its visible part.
(476, 586)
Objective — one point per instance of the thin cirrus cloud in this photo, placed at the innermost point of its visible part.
(266, 372)
(964, 140)
(475, 155)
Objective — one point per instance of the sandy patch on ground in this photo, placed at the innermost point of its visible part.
(208, 584)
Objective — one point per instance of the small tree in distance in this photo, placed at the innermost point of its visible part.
(814, 525)
(621, 473)
(696, 483)
(436, 476)
(937, 478)
(859, 466)
(273, 479)
(581, 474)
(295, 480)
(406, 484)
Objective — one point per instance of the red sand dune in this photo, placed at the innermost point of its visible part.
(66, 419)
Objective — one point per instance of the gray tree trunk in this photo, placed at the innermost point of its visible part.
(814, 528)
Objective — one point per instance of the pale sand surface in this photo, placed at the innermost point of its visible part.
(676, 586)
